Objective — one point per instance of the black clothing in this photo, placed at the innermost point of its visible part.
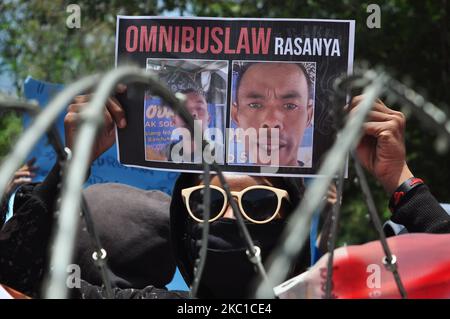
(25, 238)
(420, 212)
(228, 272)
(133, 226)
(185, 234)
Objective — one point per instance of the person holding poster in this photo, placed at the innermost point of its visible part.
(277, 97)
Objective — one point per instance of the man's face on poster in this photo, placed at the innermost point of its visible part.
(275, 95)
(196, 105)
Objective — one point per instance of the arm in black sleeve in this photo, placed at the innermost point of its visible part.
(419, 211)
(24, 241)
(25, 238)
(48, 190)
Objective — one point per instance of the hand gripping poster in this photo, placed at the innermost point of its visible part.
(259, 90)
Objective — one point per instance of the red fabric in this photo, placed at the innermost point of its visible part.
(397, 197)
(415, 181)
(423, 264)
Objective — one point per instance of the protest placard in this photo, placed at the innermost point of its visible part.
(260, 90)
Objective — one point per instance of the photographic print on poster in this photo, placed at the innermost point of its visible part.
(277, 96)
(204, 85)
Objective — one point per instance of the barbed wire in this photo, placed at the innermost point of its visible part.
(295, 234)
(294, 237)
(297, 228)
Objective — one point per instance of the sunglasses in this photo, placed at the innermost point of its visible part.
(258, 204)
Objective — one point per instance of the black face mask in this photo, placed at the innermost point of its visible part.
(228, 272)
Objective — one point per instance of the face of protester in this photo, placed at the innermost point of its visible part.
(197, 106)
(275, 95)
(226, 248)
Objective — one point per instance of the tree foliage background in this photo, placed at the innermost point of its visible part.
(412, 43)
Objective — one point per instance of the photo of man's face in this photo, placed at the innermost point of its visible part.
(275, 95)
(196, 105)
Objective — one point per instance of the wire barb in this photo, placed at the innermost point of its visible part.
(389, 260)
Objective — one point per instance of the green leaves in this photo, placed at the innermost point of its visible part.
(10, 128)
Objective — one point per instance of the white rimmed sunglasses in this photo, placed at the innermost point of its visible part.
(259, 204)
